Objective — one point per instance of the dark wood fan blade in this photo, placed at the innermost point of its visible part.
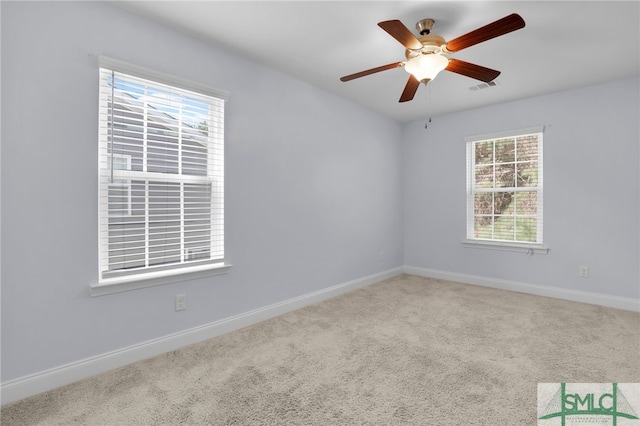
(472, 70)
(410, 89)
(371, 71)
(495, 29)
(397, 30)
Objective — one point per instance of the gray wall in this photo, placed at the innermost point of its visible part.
(591, 204)
(313, 187)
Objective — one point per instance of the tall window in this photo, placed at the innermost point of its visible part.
(161, 167)
(504, 187)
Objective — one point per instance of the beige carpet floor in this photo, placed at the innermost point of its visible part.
(405, 351)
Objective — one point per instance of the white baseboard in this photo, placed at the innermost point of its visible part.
(627, 304)
(24, 387)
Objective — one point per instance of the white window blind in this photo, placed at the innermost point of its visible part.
(505, 187)
(161, 168)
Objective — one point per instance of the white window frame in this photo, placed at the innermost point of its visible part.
(537, 247)
(187, 268)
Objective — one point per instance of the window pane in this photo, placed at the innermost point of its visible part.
(526, 229)
(505, 150)
(118, 162)
(119, 198)
(484, 177)
(125, 251)
(502, 203)
(527, 174)
(526, 203)
(126, 243)
(483, 204)
(484, 152)
(164, 223)
(483, 227)
(197, 223)
(138, 189)
(505, 175)
(503, 228)
(527, 147)
(162, 147)
(194, 156)
(128, 131)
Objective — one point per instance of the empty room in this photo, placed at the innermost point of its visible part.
(320, 213)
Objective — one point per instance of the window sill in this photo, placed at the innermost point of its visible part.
(119, 284)
(506, 246)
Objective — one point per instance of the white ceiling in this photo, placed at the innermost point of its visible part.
(565, 44)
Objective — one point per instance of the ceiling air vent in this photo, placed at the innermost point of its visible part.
(483, 85)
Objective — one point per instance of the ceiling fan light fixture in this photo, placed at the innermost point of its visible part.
(425, 55)
(425, 67)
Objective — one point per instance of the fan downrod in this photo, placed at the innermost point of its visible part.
(424, 26)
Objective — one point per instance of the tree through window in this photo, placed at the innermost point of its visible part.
(504, 187)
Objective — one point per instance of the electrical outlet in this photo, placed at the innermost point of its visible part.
(181, 302)
(584, 271)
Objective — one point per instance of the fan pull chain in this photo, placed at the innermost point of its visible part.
(428, 97)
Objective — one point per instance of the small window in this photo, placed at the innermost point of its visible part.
(504, 187)
(161, 167)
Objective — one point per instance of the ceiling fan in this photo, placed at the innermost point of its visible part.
(426, 54)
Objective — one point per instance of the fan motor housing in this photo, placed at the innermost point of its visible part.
(431, 43)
